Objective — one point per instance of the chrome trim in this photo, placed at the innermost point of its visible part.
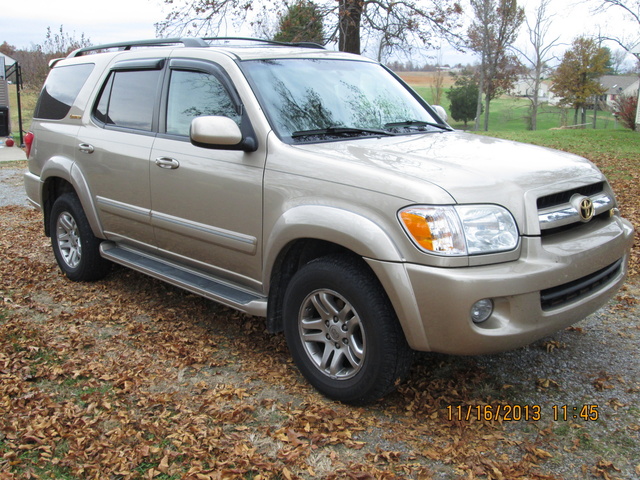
(566, 214)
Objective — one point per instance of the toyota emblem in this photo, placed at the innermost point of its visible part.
(584, 207)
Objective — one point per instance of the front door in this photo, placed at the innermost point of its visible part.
(206, 203)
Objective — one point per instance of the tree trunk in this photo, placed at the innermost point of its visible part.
(350, 16)
(487, 102)
(535, 100)
(476, 126)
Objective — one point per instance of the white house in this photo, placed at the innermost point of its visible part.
(615, 85)
(524, 87)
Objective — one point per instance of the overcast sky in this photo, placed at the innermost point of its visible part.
(24, 24)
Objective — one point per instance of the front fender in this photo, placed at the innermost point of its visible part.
(350, 230)
(365, 238)
(66, 169)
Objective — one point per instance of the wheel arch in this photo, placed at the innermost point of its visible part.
(60, 176)
(306, 233)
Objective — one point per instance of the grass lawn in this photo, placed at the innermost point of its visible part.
(509, 114)
(619, 143)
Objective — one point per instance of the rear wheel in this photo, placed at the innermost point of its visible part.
(342, 331)
(76, 248)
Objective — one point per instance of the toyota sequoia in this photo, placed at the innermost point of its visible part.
(314, 188)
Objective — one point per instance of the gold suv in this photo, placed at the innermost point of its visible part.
(316, 189)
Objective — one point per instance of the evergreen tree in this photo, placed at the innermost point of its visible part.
(301, 23)
(463, 96)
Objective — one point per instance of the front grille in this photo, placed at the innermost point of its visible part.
(570, 292)
(557, 212)
(572, 226)
(561, 198)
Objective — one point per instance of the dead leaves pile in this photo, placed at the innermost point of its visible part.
(129, 378)
(624, 176)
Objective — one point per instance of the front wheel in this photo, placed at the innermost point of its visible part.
(342, 331)
(76, 249)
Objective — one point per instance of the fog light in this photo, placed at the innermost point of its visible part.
(481, 310)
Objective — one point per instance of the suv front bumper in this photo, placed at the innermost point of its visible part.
(434, 304)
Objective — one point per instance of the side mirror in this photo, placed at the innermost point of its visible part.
(442, 113)
(219, 132)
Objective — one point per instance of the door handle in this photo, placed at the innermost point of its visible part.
(86, 148)
(166, 162)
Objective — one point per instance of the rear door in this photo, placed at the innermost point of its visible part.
(114, 149)
(206, 203)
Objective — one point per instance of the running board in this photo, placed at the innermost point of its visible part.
(190, 280)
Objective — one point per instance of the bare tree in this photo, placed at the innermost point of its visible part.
(491, 34)
(35, 61)
(538, 29)
(483, 10)
(395, 21)
(618, 61)
(630, 10)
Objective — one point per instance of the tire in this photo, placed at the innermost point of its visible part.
(342, 331)
(76, 248)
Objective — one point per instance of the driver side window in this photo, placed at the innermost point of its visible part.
(194, 94)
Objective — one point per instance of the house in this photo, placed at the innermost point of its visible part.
(524, 87)
(616, 85)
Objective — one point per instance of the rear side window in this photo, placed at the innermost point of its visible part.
(128, 99)
(60, 91)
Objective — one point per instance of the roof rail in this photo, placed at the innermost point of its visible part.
(269, 42)
(154, 42)
(186, 42)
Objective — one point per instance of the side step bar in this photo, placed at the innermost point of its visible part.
(190, 280)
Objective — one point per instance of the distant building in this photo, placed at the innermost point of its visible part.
(525, 87)
(617, 85)
(614, 85)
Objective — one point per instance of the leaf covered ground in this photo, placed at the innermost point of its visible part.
(129, 378)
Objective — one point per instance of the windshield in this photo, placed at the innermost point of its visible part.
(309, 100)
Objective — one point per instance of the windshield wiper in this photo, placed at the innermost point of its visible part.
(416, 123)
(339, 131)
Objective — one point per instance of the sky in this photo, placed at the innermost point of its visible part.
(25, 24)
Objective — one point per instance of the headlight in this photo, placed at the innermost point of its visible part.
(460, 229)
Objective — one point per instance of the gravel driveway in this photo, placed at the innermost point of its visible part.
(12, 186)
(584, 381)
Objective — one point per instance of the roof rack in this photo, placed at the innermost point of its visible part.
(154, 42)
(186, 42)
(268, 42)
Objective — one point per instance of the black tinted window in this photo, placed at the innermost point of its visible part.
(128, 99)
(193, 94)
(60, 90)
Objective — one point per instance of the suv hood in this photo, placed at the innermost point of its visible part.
(470, 168)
